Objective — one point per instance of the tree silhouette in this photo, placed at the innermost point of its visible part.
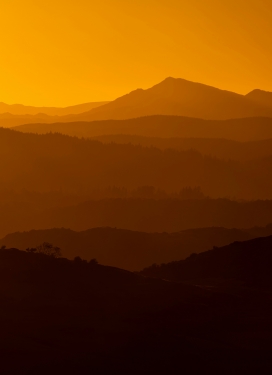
(48, 249)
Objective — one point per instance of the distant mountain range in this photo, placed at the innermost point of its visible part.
(132, 250)
(23, 110)
(172, 97)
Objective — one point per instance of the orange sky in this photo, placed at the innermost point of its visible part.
(63, 52)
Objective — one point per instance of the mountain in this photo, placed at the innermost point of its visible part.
(20, 110)
(131, 250)
(52, 162)
(179, 97)
(248, 261)
(172, 97)
(248, 129)
(261, 97)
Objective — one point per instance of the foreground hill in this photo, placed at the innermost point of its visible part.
(21, 110)
(242, 130)
(248, 261)
(53, 162)
(129, 249)
(73, 317)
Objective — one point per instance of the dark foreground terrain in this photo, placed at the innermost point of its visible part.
(75, 317)
(132, 250)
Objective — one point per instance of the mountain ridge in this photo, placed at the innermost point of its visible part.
(175, 97)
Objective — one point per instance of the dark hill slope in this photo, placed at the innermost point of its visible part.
(249, 261)
(128, 249)
(245, 129)
(59, 316)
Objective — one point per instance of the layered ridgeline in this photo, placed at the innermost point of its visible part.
(243, 130)
(174, 97)
(22, 110)
(217, 147)
(17, 114)
(132, 250)
(53, 161)
(145, 215)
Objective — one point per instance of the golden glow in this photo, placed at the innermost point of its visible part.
(67, 52)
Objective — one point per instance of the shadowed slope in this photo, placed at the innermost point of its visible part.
(249, 261)
(59, 316)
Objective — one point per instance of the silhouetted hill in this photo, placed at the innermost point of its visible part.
(20, 110)
(243, 130)
(128, 249)
(249, 261)
(53, 162)
(60, 316)
(261, 97)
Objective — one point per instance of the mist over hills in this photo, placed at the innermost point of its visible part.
(243, 130)
(132, 250)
